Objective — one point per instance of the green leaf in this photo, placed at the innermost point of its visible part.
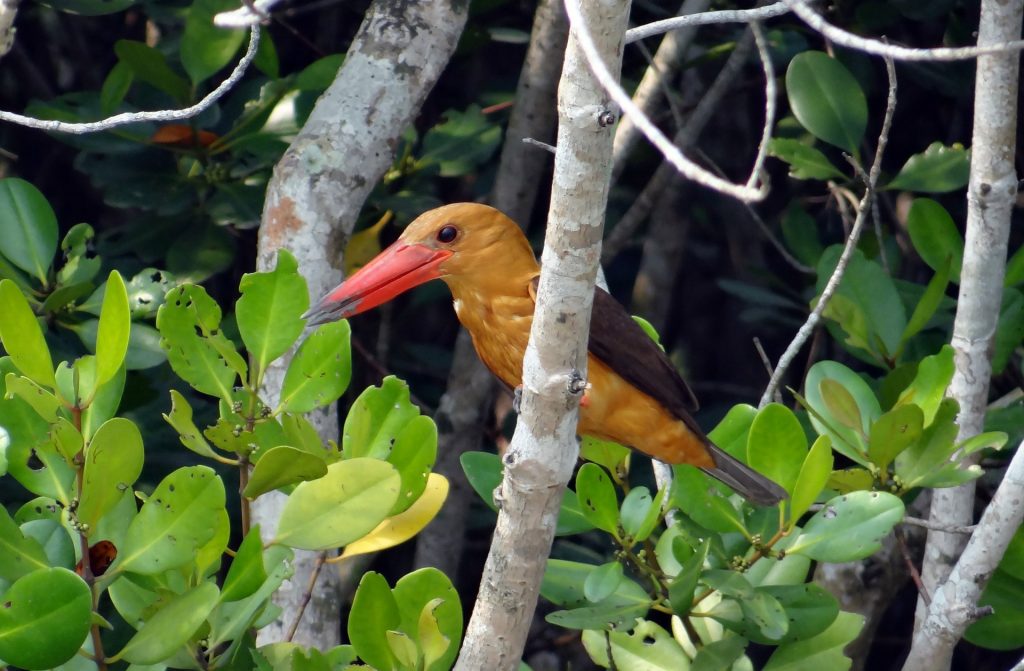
(413, 455)
(867, 287)
(374, 612)
(841, 404)
(269, 312)
(1010, 330)
(344, 505)
(18, 555)
(702, 498)
(247, 572)
(933, 450)
(320, 371)
(115, 87)
(827, 100)
(719, 655)
(611, 455)
(563, 585)
(78, 266)
(597, 498)
(824, 651)
(602, 582)
(170, 627)
(846, 441)
(649, 647)
(849, 527)
(800, 232)
(44, 619)
(180, 418)
(681, 589)
(229, 620)
(732, 434)
(938, 169)
(205, 48)
(319, 74)
(935, 237)
(281, 466)
(42, 401)
(462, 142)
(777, 445)
(178, 518)
(894, 432)
(28, 228)
(149, 66)
(928, 388)
(1015, 268)
(54, 539)
(21, 335)
(929, 302)
(814, 474)
(428, 593)
(198, 351)
(376, 418)
(805, 162)
(113, 462)
(115, 325)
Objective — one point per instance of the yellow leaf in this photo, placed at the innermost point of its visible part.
(405, 525)
(364, 245)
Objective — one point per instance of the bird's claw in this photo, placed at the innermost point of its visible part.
(517, 398)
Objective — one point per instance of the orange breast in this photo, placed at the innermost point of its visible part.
(617, 411)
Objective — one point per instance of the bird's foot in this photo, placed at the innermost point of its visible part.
(517, 398)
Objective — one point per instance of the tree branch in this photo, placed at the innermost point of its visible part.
(954, 603)
(705, 19)
(543, 452)
(991, 195)
(863, 211)
(126, 118)
(315, 196)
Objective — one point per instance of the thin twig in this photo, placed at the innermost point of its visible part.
(770, 95)
(878, 48)
(764, 355)
(126, 118)
(704, 19)
(650, 130)
(537, 143)
(915, 575)
(307, 595)
(851, 243)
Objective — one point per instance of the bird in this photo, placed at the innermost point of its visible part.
(634, 394)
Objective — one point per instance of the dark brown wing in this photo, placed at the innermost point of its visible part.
(624, 347)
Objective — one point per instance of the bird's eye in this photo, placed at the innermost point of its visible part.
(447, 234)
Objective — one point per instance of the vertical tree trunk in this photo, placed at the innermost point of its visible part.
(991, 195)
(543, 451)
(314, 197)
(470, 391)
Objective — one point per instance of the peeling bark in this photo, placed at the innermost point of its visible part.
(543, 452)
(314, 197)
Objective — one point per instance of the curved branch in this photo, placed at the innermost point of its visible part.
(126, 118)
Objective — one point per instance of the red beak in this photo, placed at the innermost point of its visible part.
(398, 268)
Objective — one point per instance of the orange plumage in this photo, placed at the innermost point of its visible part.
(635, 396)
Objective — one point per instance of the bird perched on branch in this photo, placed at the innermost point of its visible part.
(634, 394)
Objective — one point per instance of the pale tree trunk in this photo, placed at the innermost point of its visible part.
(543, 452)
(991, 196)
(461, 413)
(313, 199)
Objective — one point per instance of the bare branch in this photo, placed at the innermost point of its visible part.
(851, 243)
(251, 13)
(652, 87)
(954, 603)
(651, 131)
(770, 95)
(126, 118)
(877, 48)
(705, 19)
(991, 197)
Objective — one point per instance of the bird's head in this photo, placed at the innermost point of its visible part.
(459, 243)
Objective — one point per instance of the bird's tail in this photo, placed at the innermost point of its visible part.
(747, 482)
